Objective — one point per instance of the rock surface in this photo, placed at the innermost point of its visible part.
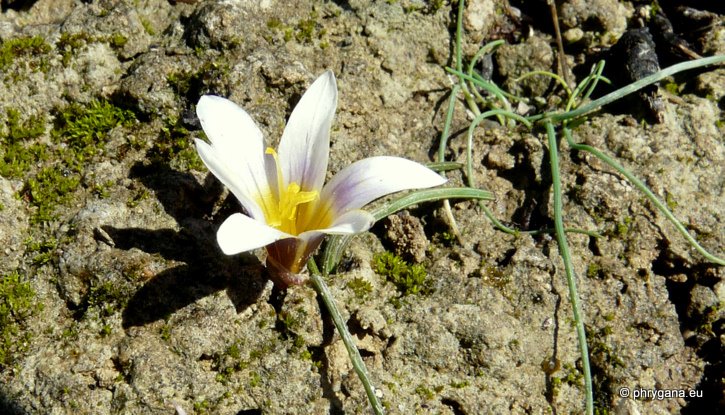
(109, 218)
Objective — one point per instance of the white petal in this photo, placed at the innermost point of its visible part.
(236, 155)
(366, 180)
(229, 128)
(305, 143)
(240, 233)
(352, 222)
(231, 178)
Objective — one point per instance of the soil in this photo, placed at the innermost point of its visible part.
(133, 308)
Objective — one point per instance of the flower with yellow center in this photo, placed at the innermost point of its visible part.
(288, 210)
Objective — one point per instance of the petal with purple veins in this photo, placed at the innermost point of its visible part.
(305, 144)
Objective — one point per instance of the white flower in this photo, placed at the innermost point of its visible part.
(288, 210)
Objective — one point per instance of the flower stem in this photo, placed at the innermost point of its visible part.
(319, 283)
(569, 267)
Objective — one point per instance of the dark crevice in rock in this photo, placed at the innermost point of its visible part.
(455, 406)
(702, 334)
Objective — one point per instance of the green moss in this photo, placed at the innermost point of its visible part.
(85, 128)
(599, 348)
(554, 388)
(69, 43)
(621, 229)
(50, 188)
(102, 190)
(180, 82)
(234, 351)
(12, 49)
(71, 332)
(424, 392)
(254, 379)
(72, 41)
(210, 75)
(435, 5)
(306, 355)
(408, 279)
(594, 270)
(43, 251)
(139, 195)
(17, 158)
(360, 287)
(288, 34)
(291, 319)
(447, 239)
(201, 407)
(459, 385)
(229, 362)
(174, 147)
(80, 133)
(571, 377)
(17, 304)
(18, 152)
(165, 332)
(428, 7)
(148, 27)
(493, 275)
(106, 330)
(673, 88)
(709, 316)
(305, 31)
(106, 298)
(19, 130)
(670, 201)
(274, 23)
(116, 40)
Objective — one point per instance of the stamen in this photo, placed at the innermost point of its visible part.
(280, 179)
(280, 209)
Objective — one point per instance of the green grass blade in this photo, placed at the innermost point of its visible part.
(569, 267)
(648, 193)
(357, 363)
(635, 86)
(336, 244)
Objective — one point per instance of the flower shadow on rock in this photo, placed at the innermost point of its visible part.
(205, 271)
(8, 405)
(17, 5)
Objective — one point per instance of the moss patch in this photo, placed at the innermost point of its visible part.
(407, 278)
(360, 287)
(50, 188)
(305, 31)
(17, 303)
(43, 251)
(70, 43)
(210, 75)
(85, 128)
(18, 150)
(79, 134)
(174, 146)
(34, 50)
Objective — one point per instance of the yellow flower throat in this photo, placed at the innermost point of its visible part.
(280, 210)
